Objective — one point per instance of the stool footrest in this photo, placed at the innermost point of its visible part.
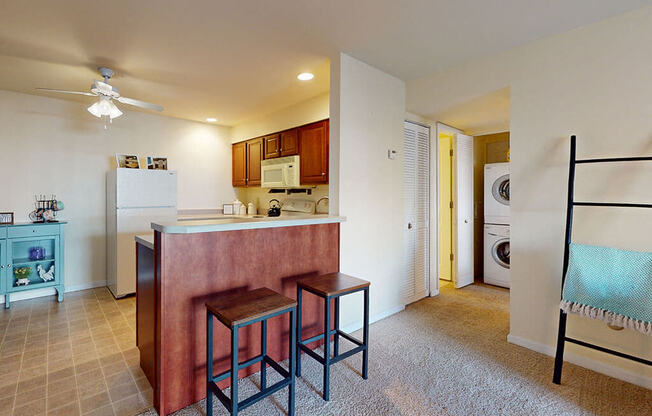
(312, 353)
(282, 371)
(317, 337)
(244, 364)
(263, 393)
(350, 338)
(249, 400)
(287, 379)
(347, 354)
(220, 395)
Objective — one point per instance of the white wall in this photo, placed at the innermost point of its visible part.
(52, 146)
(369, 192)
(305, 112)
(594, 82)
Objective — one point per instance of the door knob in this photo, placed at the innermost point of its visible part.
(409, 225)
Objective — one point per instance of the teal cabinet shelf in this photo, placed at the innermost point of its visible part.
(20, 269)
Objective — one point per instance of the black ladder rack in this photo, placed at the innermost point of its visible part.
(561, 336)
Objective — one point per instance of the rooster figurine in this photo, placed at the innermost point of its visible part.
(46, 277)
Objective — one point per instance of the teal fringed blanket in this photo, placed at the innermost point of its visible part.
(610, 284)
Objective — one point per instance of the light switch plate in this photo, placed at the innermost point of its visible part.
(391, 154)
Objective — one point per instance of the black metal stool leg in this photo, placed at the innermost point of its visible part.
(209, 363)
(365, 336)
(263, 349)
(292, 361)
(298, 328)
(327, 364)
(336, 337)
(234, 370)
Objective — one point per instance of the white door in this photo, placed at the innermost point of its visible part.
(416, 166)
(463, 210)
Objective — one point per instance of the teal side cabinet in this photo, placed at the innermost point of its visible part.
(31, 257)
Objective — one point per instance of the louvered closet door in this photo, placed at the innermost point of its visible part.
(463, 212)
(417, 211)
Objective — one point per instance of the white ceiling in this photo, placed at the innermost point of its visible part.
(239, 59)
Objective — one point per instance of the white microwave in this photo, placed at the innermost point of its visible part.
(282, 172)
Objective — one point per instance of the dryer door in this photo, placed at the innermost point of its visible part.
(500, 252)
(500, 189)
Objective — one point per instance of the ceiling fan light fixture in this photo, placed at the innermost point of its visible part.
(104, 107)
(95, 110)
(115, 111)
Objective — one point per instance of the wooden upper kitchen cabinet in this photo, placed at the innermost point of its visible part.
(289, 143)
(285, 143)
(310, 142)
(240, 164)
(313, 150)
(254, 157)
(272, 144)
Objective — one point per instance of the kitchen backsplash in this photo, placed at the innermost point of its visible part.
(260, 197)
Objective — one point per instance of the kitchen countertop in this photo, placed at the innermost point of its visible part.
(189, 224)
(146, 239)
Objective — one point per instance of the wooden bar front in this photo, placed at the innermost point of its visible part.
(190, 269)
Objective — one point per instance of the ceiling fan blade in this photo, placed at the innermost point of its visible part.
(139, 103)
(67, 92)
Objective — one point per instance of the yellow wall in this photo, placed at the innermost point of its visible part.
(445, 213)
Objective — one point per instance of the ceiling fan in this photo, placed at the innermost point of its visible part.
(105, 107)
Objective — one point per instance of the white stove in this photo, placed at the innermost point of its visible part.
(297, 207)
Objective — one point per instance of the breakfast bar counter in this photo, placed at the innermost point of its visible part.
(187, 263)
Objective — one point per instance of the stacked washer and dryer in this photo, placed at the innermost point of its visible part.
(496, 224)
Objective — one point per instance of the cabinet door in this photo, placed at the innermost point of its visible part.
(272, 146)
(240, 164)
(254, 156)
(313, 148)
(19, 257)
(290, 142)
(3, 266)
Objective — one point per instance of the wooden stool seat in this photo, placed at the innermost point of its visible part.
(241, 308)
(332, 284)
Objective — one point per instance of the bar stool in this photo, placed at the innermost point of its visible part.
(236, 312)
(333, 286)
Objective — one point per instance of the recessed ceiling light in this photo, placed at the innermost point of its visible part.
(305, 76)
(211, 119)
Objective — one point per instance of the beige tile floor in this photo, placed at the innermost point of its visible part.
(71, 358)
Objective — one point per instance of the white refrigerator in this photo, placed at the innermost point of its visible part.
(134, 199)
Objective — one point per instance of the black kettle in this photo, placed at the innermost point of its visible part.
(274, 208)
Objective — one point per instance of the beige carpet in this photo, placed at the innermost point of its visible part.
(433, 360)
